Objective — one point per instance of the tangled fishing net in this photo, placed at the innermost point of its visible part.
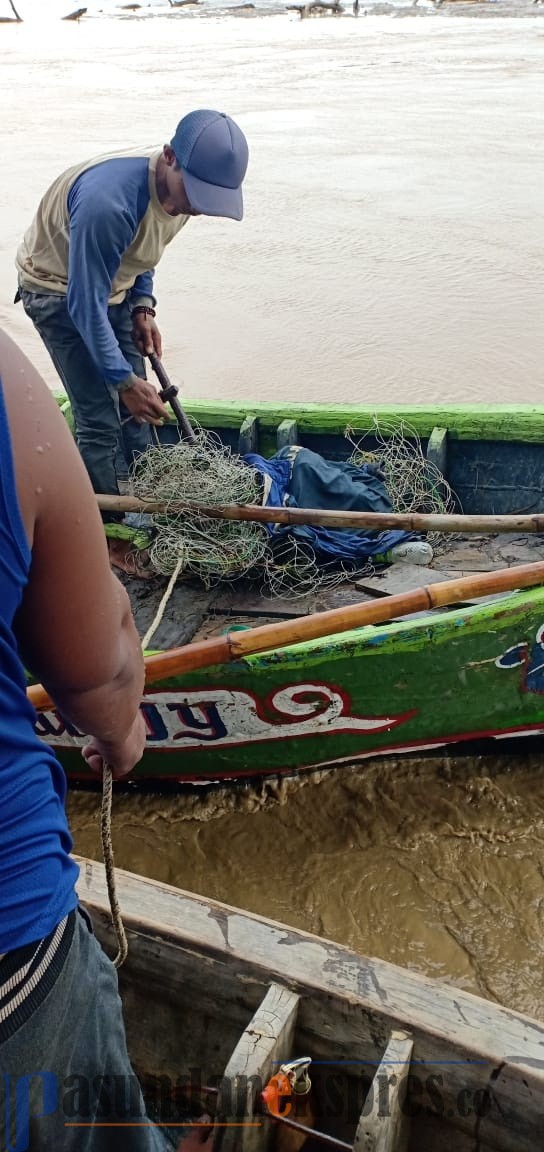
(414, 483)
(205, 471)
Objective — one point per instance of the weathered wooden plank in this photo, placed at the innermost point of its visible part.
(402, 578)
(207, 959)
(248, 440)
(437, 449)
(287, 434)
(466, 556)
(229, 602)
(187, 609)
(386, 1126)
(406, 577)
(342, 596)
(266, 1042)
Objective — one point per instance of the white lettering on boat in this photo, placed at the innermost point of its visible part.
(225, 717)
(530, 657)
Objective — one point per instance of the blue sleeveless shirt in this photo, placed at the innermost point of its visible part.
(37, 874)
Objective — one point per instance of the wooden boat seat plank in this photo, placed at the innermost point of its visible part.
(384, 1125)
(249, 435)
(437, 449)
(265, 1043)
(487, 553)
(287, 434)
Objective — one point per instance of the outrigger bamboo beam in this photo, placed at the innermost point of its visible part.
(409, 521)
(236, 645)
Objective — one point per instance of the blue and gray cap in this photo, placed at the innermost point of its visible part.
(212, 153)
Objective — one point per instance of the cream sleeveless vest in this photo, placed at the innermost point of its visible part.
(42, 258)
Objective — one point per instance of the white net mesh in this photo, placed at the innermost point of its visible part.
(414, 483)
(207, 472)
(218, 551)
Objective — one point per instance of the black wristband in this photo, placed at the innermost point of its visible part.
(143, 309)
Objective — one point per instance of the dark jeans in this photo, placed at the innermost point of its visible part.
(69, 1061)
(108, 438)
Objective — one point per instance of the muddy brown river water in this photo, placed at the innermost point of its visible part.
(432, 864)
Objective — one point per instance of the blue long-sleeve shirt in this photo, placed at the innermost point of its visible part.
(97, 236)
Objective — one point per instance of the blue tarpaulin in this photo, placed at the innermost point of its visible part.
(300, 478)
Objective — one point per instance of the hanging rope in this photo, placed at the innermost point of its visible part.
(107, 798)
(162, 606)
(109, 865)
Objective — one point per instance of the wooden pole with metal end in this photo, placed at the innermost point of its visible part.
(169, 394)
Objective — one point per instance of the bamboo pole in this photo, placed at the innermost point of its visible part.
(409, 521)
(235, 645)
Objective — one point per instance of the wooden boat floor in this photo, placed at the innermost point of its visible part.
(195, 613)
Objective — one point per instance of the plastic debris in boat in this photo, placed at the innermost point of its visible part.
(409, 552)
(288, 1095)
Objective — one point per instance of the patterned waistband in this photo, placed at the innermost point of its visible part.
(29, 973)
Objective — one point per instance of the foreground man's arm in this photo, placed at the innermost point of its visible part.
(75, 626)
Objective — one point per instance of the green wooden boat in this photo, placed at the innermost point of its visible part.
(471, 673)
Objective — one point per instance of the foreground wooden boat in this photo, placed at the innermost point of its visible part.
(465, 674)
(217, 997)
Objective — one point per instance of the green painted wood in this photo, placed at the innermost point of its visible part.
(407, 685)
(470, 422)
(500, 422)
(437, 454)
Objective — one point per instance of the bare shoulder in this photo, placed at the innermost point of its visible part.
(72, 605)
(44, 454)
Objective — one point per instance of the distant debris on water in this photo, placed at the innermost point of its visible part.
(79, 12)
(130, 7)
(15, 19)
(183, 3)
(316, 8)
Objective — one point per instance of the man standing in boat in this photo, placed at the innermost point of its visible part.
(61, 1026)
(86, 268)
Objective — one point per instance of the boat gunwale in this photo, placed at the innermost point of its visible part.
(369, 638)
(93, 892)
(501, 423)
